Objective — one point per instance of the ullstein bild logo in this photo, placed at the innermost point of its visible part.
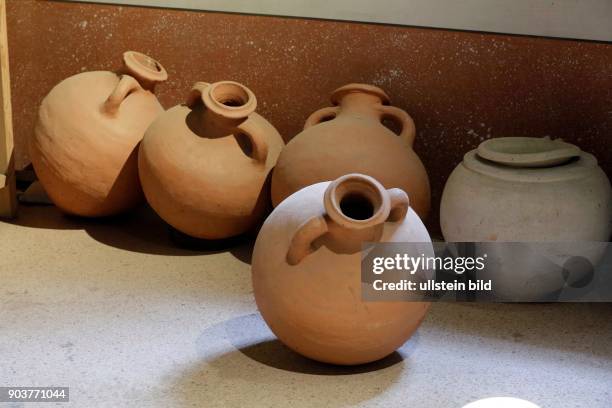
(487, 271)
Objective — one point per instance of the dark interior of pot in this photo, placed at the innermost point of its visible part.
(358, 198)
(356, 206)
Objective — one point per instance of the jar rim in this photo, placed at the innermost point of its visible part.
(142, 65)
(368, 189)
(338, 94)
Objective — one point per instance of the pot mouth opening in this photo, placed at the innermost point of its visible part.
(356, 206)
(356, 201)
(230, 95)
(148, 62)
(230, 99)
(141, 65)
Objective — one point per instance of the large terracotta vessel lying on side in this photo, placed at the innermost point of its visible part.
(520, 189)
(85, 144)
(307, 270)
(349, 137)
(204, 165)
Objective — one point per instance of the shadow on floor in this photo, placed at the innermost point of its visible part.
(275, 354)
(140, 230)
(241, 246)
(251, 336)
(242, 363)
(44, 217)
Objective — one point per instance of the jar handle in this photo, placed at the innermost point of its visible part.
(195, 94)
(126, 86)
(402, 118)
(256, 135)
(399, 203)
(306, 234)
(321, 115)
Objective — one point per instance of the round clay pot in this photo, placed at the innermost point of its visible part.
(85, 143)
(307, 270)
(350, 138)
(528, 190)
(204, 165)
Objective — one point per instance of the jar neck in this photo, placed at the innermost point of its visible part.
(361, 104)
(220, 106)
(215, 123)
(345, 240)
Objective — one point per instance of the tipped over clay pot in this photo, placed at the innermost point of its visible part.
(350, 138)
(307, 270)
(84, 146)
(204, 165)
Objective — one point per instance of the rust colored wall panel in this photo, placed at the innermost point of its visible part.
(460, 87)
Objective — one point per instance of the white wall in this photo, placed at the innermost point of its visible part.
(581, 19)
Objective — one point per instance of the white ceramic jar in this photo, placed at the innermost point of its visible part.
(528, 190)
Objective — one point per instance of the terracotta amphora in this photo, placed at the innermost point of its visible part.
(204, 165)
(350, 138)
(306, 270)
(84, 148)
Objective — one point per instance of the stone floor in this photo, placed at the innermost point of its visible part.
(125, 318)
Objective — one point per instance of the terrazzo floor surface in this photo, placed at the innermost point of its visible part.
(125, 318)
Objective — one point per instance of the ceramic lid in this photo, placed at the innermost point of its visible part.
(575, 168)
(527, 151)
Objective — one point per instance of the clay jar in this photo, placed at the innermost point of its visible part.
(520, 189)
(84, 148)
(349, 137)
(307, 270)
(204, 165)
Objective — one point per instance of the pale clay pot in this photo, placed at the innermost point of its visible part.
(350, 138)
(528, 190)
(204, 165)
(307, 277)
(84, 148)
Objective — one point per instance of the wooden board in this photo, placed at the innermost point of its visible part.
(8, 202)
